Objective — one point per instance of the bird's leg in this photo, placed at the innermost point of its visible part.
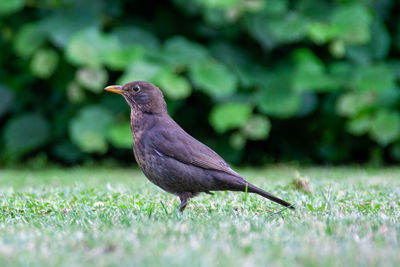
(184, 200)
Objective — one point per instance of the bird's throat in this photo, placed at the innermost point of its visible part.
(137, 124)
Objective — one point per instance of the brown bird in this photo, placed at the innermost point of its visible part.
(170, 157)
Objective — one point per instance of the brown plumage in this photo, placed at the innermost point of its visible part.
(170, 157)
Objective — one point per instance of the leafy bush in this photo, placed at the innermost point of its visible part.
(295, 80)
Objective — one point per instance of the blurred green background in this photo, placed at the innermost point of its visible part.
(259, 81)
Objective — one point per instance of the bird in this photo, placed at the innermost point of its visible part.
(170, 157)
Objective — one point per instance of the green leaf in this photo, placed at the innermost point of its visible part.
(320, 32)
(75, 93)
(337, 48)
(122, 57)
(272, 31)
(89, 128)
(278, 98)
(309, 102)
(67, 151)
(120, 135)
(219, 17)
(225, 117)
(218, 3)
(310, 73)
(140, 71)
(376, 49)
(305, 81)
(44, 63)
(28, 39)
(230, 54)
(92, 79)
(351, 104)
(182, 52)
(25, 133)
(89, 46)
(305, 58)
(342, 72)
(131, 44)
(395, 151)
(389, 98)
(237, 140)
(6, 99)
(289, 28)
(375, 78)
(385, 126)
(276, 7)
(214, 78)
(81, 49)
(359, 125)
(135, 36)
(173, 85)
(11, 6)
(257, 127)
(395, 66)
(352, 23)
(348, 22)
(63, 23)
(248, 71)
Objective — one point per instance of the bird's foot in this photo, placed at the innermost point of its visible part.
(184, 200)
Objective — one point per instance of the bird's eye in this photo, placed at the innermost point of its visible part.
(136, 88)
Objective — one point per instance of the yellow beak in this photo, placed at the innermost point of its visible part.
(114, 88)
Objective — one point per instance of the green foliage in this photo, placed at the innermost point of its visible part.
(385, 127)
(11, 6)
(351, 23)
(229, 116)
(6, 100)
(90, 47)
(257, 127)
(376, 78)
(181, 52)
(25, 133)
(44, 63)
(89, 129)
(63, 23)
(174, 86)
(278, 97)
(120, 135)
(214, 78)
(272, 31)
(359, 125)
(92, 79)
(140, 71)
(28, 40)
(305, 80)
(310, 74)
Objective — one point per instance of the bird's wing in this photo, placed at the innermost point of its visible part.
(176, 143)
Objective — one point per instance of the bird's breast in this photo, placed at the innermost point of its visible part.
(137, 133)
(139, 152)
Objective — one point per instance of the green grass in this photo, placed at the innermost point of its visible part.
(105, 217)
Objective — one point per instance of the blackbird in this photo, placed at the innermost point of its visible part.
(171, 158)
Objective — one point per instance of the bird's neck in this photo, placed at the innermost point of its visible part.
(141, 122)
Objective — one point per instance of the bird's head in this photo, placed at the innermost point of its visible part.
(141, 96)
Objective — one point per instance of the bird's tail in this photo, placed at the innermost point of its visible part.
(254, 189)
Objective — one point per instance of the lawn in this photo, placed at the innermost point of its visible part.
(108, 217)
